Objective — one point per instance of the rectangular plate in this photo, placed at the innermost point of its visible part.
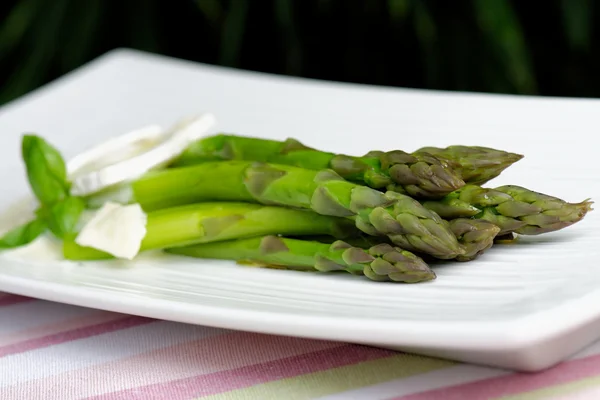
(524, 306)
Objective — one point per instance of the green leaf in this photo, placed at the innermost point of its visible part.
(212, 10)
(578, 20)
(41, 39)
(64, 216)
(16, 24)
(286, 18)
(23, 234)
(46, 170)
(504, 34)
(232, 38)
(399, 9)
(428, 37)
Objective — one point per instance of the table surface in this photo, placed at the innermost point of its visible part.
(57, 351)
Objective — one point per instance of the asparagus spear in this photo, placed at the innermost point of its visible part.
(475, 164)
(398, 216)
(419, 175)
(208, 222)
(512, 208)
(379, 263)
(476, 236)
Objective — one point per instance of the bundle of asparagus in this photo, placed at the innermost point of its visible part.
(282, 204)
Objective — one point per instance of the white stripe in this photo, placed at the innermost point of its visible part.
(96, 350)
(28, 315)
(446, 377)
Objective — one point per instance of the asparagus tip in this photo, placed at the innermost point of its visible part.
(476, 236)
(587, 205)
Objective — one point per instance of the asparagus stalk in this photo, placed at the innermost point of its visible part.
(207, 222)
(400, 217)
(512, 208)
(475, 164)
(418, 175)
(476, 236)
(379, 263)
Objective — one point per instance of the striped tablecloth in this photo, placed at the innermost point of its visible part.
(57, 351)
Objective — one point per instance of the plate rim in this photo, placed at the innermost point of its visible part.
(527, 348)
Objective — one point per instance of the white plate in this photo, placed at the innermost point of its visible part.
(524, 306)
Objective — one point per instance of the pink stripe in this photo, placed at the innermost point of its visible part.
(515, 383)
(238, 378)
(74, 334)
(10, 299)
(203, 356)
(95, 317)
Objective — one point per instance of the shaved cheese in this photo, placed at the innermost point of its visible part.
(115, 229)
(129, 156)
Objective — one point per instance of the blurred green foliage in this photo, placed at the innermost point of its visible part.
(502, 46)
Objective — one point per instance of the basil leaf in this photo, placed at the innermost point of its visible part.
(63, 216)
(23, 234)
(46, 170)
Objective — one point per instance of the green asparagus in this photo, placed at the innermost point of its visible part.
(206, 222)
(398, 216)
(512, 208)
(475, 165)
(475, 237)
(419, 175)
(380, 263)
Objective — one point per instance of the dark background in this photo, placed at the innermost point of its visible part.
(519, 47)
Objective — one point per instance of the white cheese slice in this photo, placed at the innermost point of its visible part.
(129, 156)
(115, 229)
